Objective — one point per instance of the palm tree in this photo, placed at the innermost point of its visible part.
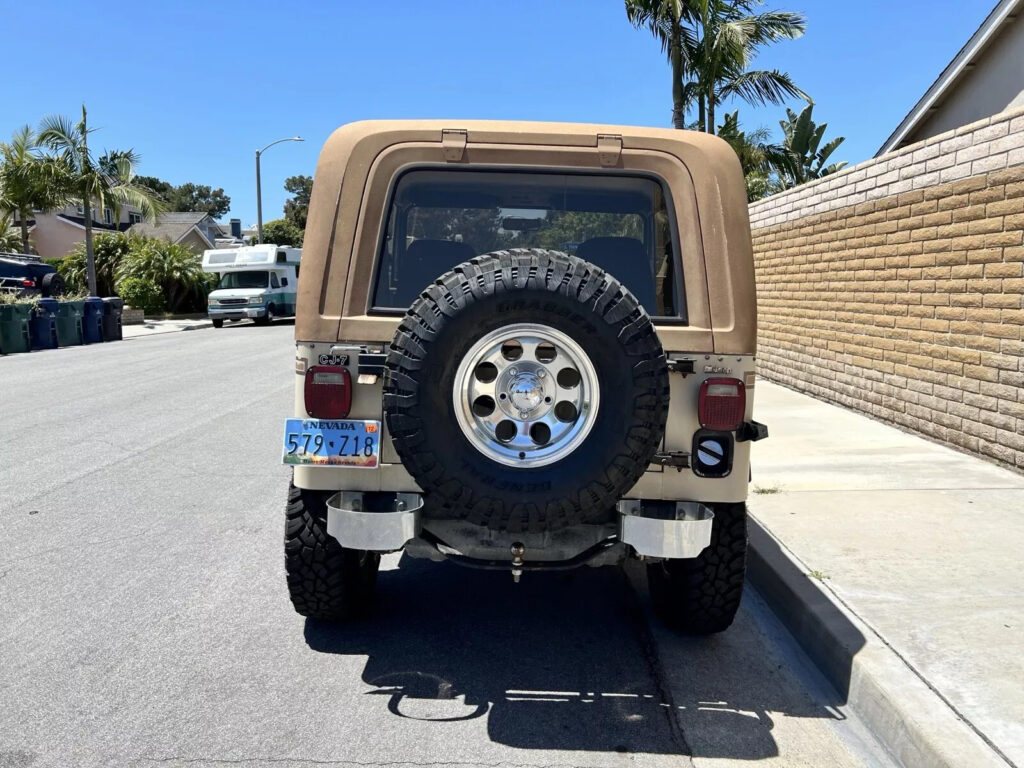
(710, 44)
(801, 142)
(29, 182)
(763, 162)
(727, 37)
(10, 240)
(665, 19)
(71, 143)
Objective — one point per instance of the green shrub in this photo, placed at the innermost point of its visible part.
(174, 268)
(109, 251)
(141, 293)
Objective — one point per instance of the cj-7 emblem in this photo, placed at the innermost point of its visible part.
(333, 360)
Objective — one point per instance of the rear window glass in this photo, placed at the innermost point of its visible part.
(441, 218)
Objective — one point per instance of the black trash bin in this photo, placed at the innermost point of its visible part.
(112, 307)
(43, 324)
(92, 320)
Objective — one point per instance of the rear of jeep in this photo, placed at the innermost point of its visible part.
(523, 347)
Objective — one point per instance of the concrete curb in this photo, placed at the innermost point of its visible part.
(907, 715)
(160, 331)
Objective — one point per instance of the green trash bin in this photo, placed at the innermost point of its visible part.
(14, 332)
(69, 323)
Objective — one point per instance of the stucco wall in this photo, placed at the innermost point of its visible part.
(995, 84)
(895, 287)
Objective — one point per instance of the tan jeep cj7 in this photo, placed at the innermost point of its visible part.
(523, 347)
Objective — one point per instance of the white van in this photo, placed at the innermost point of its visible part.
(256, 282)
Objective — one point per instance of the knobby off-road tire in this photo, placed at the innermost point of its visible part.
(700, 596)
(526, 286)
(326, 581)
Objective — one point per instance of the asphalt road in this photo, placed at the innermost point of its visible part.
(144, 618)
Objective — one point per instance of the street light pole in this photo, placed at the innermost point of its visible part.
(259, 190)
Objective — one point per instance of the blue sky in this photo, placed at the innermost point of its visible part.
(196, 88)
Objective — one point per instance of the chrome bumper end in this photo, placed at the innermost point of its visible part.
(685, 534)
(377, 531)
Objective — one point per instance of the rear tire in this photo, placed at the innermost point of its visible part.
(218, 323)
(52, 285)
(700, 596)
(326, 581)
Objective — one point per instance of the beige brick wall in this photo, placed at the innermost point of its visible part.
(897, 288)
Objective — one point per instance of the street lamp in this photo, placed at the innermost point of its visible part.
(259, 191)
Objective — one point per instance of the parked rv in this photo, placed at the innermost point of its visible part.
(257, 282)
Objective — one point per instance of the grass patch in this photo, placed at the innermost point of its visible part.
(763, 490)
(817, 575)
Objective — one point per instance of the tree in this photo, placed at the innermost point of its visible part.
(172, 266)
(159, 187)
(666, 20)
(88, 181)
(711, 44)
(189, 196)
(10, 239)
(763, 163)
(110, 250)
(28, 181)
(296, 209)
(199, 197)
(727, 38)
(801, 141)
(282, 232)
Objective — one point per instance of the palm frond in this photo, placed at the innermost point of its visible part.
(761, 87)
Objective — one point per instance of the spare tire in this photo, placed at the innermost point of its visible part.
(526, 390)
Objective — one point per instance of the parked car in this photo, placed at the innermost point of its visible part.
(29, 275)
(523, 347)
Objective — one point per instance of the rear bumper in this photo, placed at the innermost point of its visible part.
(387, 522)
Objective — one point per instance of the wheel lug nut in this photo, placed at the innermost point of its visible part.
(513, 371)
(541, 373)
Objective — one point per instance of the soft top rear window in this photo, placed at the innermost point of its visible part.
(442, 217)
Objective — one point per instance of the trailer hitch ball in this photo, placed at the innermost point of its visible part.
(517, 550)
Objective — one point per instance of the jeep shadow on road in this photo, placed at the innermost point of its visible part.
(563, 661)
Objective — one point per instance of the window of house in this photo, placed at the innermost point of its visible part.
(108, 216)
(134, 218)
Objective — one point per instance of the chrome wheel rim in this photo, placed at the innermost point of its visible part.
(526, 395)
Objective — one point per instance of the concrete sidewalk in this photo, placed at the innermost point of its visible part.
(896, 562)
(154, 327)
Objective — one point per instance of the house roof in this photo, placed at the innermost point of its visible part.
(1005, 11)
(174, 226)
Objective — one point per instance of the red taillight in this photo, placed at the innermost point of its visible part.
(721, 404)
(328, 392)
(28, 284)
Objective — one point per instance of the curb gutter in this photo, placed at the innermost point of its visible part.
(896, 704)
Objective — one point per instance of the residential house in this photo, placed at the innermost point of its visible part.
(984, 79)
(55, 234)
(196, 229)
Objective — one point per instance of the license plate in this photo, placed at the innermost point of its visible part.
(331, 443)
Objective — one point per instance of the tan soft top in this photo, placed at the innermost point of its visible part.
(360, 160)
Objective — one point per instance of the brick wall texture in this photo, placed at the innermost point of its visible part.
(896, 288)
